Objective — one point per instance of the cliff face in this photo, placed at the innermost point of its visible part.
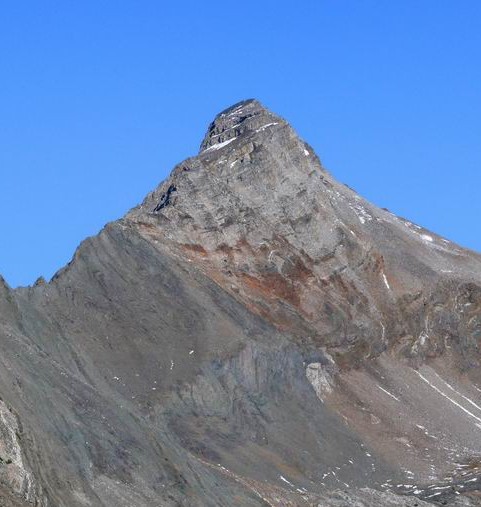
(254, 333)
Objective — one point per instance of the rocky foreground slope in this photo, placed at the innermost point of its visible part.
(253, 334)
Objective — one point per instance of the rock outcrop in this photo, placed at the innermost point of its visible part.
(254, 333)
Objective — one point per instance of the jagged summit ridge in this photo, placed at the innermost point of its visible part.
(245, 116)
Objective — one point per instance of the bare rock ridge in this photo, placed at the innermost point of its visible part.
(241, 118)
(254, 333)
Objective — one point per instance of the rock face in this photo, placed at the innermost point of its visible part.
(254, 333)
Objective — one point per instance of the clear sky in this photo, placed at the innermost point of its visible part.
(99, 100)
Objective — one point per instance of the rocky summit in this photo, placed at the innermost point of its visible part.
(253, 334)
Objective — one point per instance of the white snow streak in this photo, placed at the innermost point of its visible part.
(388, 393)
(218, 146)
(386, 283)
(286, 481)
(447, 397)
(260, 129)
(459, 394)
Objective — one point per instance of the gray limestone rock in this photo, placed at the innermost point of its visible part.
(254, 333)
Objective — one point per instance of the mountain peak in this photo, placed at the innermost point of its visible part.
(252, 103)
(253, 317)
(245, 116)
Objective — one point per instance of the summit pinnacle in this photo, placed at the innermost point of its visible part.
(246, 116)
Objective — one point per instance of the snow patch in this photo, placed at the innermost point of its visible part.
(458, 393)
(218, 146)
(388, 393)
(260, 129)
(454, 402)
(386, 283)
(361, 212)
(286, 481)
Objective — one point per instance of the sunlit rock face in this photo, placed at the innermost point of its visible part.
(254, 333)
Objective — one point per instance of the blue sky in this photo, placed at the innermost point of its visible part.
(99, 100)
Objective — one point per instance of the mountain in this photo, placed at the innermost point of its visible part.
(253, 334)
